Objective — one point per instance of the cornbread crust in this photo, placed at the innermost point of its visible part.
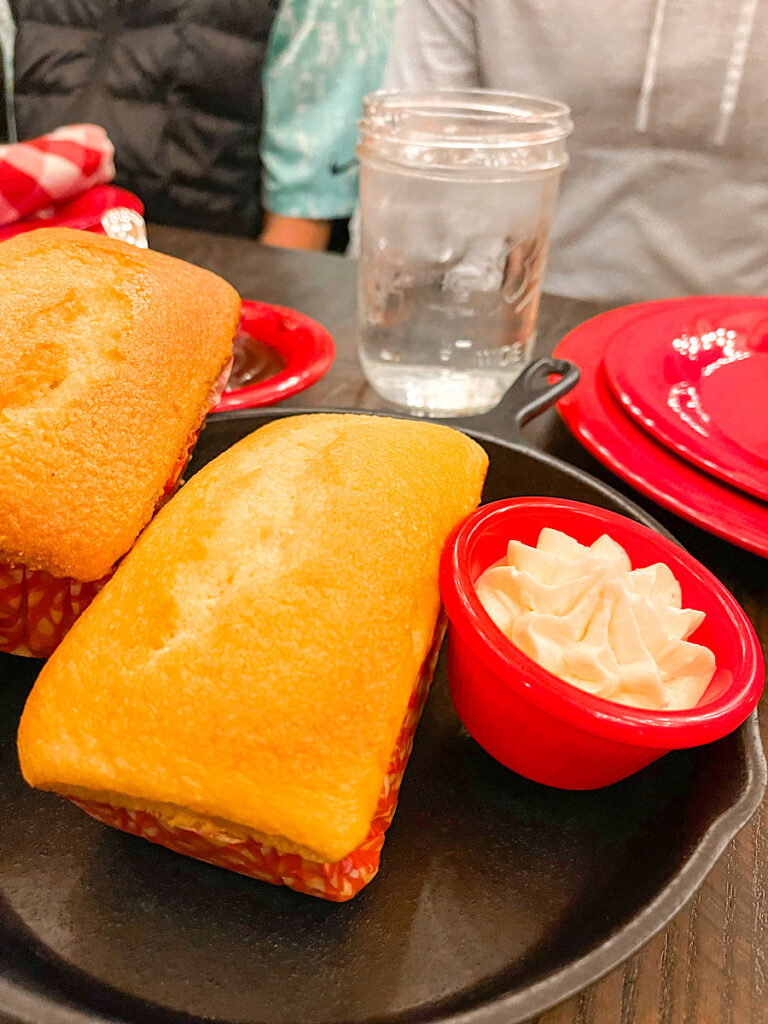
(256, 650)
(107, 357)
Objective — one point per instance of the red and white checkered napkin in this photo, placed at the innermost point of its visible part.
(39, 175)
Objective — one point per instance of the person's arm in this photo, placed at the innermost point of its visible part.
(295, 232)
(434, 46)
(324, 56)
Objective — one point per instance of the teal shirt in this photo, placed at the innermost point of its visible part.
(323, 57)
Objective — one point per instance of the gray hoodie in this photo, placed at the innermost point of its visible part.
(667, 190)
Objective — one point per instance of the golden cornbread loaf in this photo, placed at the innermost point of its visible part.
(108, 354)
(249, 666)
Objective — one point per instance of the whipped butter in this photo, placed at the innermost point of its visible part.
(586, 616)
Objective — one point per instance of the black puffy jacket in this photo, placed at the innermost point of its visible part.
(4, 127)
(175, 83)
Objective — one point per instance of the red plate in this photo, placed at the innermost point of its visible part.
(305, 347)
(694, 373)
(84, 212)
(596, 418)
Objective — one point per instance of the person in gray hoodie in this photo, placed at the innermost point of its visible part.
(667, 189)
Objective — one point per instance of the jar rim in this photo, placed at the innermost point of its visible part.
(464, 118)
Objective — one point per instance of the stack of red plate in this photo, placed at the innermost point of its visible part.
(673, 398)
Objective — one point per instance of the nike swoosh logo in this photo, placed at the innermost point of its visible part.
(337, 169)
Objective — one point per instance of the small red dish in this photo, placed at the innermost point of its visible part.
(305, 347)
(84, 212)
(546, 729)
(600, 423)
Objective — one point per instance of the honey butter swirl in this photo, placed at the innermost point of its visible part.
(585, 615)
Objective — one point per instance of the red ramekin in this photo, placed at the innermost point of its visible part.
(543, 727)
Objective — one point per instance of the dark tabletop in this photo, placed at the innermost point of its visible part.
(710, 965)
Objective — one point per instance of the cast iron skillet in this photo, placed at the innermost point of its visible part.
(496, 898)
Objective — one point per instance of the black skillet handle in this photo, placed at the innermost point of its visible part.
(531, 394)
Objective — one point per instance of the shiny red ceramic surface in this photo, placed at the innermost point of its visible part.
(539, 725)
(694, 373)
(597, 419)
(302, 344)
(84, 212)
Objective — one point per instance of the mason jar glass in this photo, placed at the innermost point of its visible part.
(457, 192)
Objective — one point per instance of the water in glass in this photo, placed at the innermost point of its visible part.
(452, 253)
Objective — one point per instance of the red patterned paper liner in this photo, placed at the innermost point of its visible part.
(37, 609)
(338, 881)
